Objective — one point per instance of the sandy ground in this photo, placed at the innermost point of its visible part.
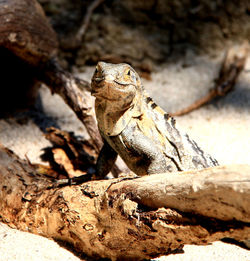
(24, 246)
(221, 128)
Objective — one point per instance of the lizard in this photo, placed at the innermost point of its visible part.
(135, 127)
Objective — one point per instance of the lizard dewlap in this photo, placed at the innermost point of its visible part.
(135, 127)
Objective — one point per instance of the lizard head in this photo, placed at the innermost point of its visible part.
(118, 92)
(115, 82)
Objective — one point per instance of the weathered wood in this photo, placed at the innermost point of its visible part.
(75, 93)
(221, 192)
(26, 40)
(25, 31)
(107, 219)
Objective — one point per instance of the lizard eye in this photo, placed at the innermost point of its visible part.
(129, 75)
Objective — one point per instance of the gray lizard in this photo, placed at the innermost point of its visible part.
(137, 129)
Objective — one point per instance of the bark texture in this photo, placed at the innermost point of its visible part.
(25, 31)
(130, 219)
(26, 40)
(75, 93)
(221, 192)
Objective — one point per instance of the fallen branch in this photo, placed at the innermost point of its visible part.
(231, 67)
(75, 93)
(220, 192)
(132, 219)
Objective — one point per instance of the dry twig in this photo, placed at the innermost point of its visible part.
(231, 67)
(86, 20)
(74, 42)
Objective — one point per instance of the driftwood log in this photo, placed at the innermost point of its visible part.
(128, 219)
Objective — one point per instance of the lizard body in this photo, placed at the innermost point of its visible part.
(135, 127)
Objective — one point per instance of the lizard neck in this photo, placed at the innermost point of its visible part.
(113, 118)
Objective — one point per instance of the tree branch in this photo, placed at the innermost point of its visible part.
(75, 93)
(109, 219)
(221, 192)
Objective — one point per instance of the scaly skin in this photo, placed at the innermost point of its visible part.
(137, 129)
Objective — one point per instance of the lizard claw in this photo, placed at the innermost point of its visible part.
(73, 181)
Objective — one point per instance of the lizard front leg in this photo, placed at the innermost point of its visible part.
(142, 155)
(105, 160)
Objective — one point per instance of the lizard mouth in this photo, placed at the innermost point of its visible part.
(99, 96)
